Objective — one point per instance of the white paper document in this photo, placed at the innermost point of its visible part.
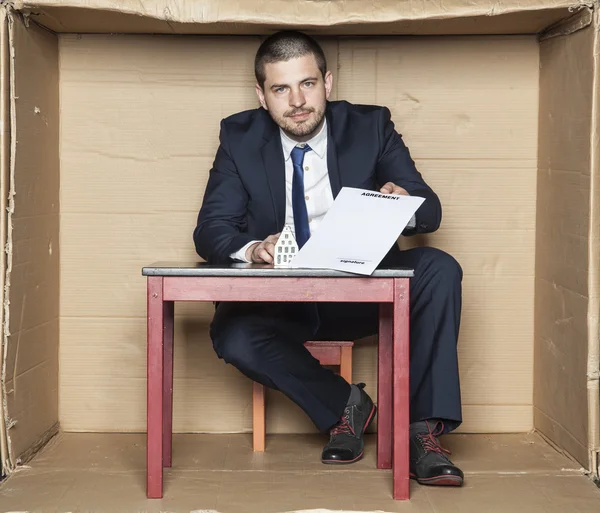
(357, 231)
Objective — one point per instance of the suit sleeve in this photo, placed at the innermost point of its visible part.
(396, 165)
(220, 229)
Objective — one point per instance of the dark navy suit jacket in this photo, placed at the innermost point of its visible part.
(245, 194)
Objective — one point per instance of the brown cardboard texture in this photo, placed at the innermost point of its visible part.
(122, 227)
(219, 473)
(335, 18)
(565, 241)
(497, 101)
(31, 316)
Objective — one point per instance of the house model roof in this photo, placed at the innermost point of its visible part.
(286, 247)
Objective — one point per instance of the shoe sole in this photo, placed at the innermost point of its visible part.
(348, 462)
(439, 480)
(343, 462)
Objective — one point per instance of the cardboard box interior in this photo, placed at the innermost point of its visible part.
(497, 102)
(219, 473)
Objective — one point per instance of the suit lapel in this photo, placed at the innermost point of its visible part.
(272, 155)
(332, 159)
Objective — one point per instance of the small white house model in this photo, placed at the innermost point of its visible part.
(285, 248)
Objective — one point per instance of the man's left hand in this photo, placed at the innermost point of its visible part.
(392, 188)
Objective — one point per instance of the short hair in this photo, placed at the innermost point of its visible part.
(286, 45)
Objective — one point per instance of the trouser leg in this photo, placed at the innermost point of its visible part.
(265, 341)
(435, 307)
(436, 301)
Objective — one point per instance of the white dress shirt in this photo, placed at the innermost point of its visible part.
(317, 188)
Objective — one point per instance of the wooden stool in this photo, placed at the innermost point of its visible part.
(328, 353)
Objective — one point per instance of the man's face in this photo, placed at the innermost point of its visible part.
(295, 95)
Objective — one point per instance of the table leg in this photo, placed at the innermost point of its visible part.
(168, 325)
(401, 389)
(154, 467)
(384, 386)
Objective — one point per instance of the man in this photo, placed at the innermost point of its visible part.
(284, 163)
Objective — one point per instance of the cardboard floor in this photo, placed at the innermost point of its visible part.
(105, 473)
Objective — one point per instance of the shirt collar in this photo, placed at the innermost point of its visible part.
(318, 143)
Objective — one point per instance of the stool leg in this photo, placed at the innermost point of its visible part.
(168, 384)
(258, 416)
(346, 363)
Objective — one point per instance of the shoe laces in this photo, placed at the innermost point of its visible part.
(343, 427)
(429, 440)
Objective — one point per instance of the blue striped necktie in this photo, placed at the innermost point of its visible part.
(298, 201)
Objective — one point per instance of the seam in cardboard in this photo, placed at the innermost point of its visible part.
(563, 430)
(560, 450)
(4, 165)
(593, 314)
(40, 445)
(582, 19)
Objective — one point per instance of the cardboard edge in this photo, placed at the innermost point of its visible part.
(593, 315)
(584, 452)
(212, 13)
(593, 276)
(4, 174)
(34, 78)
(8, 198)
(582, 19)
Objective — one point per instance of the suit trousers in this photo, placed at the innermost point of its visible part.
(265, 341)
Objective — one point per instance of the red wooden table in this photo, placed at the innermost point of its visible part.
(170, 282)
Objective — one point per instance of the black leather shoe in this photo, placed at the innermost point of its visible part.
(346, 444)
(428, 461)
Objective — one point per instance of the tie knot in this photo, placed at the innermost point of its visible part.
(298, 153)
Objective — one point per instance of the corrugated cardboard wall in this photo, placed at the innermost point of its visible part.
(139, 130)
(338, 17)
(563, 217)
(467, 109)
(31, 380)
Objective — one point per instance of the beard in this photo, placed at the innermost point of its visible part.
(300, 128)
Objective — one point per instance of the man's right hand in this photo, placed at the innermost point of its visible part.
(263, 252)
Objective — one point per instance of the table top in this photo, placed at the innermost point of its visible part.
(262, 270)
